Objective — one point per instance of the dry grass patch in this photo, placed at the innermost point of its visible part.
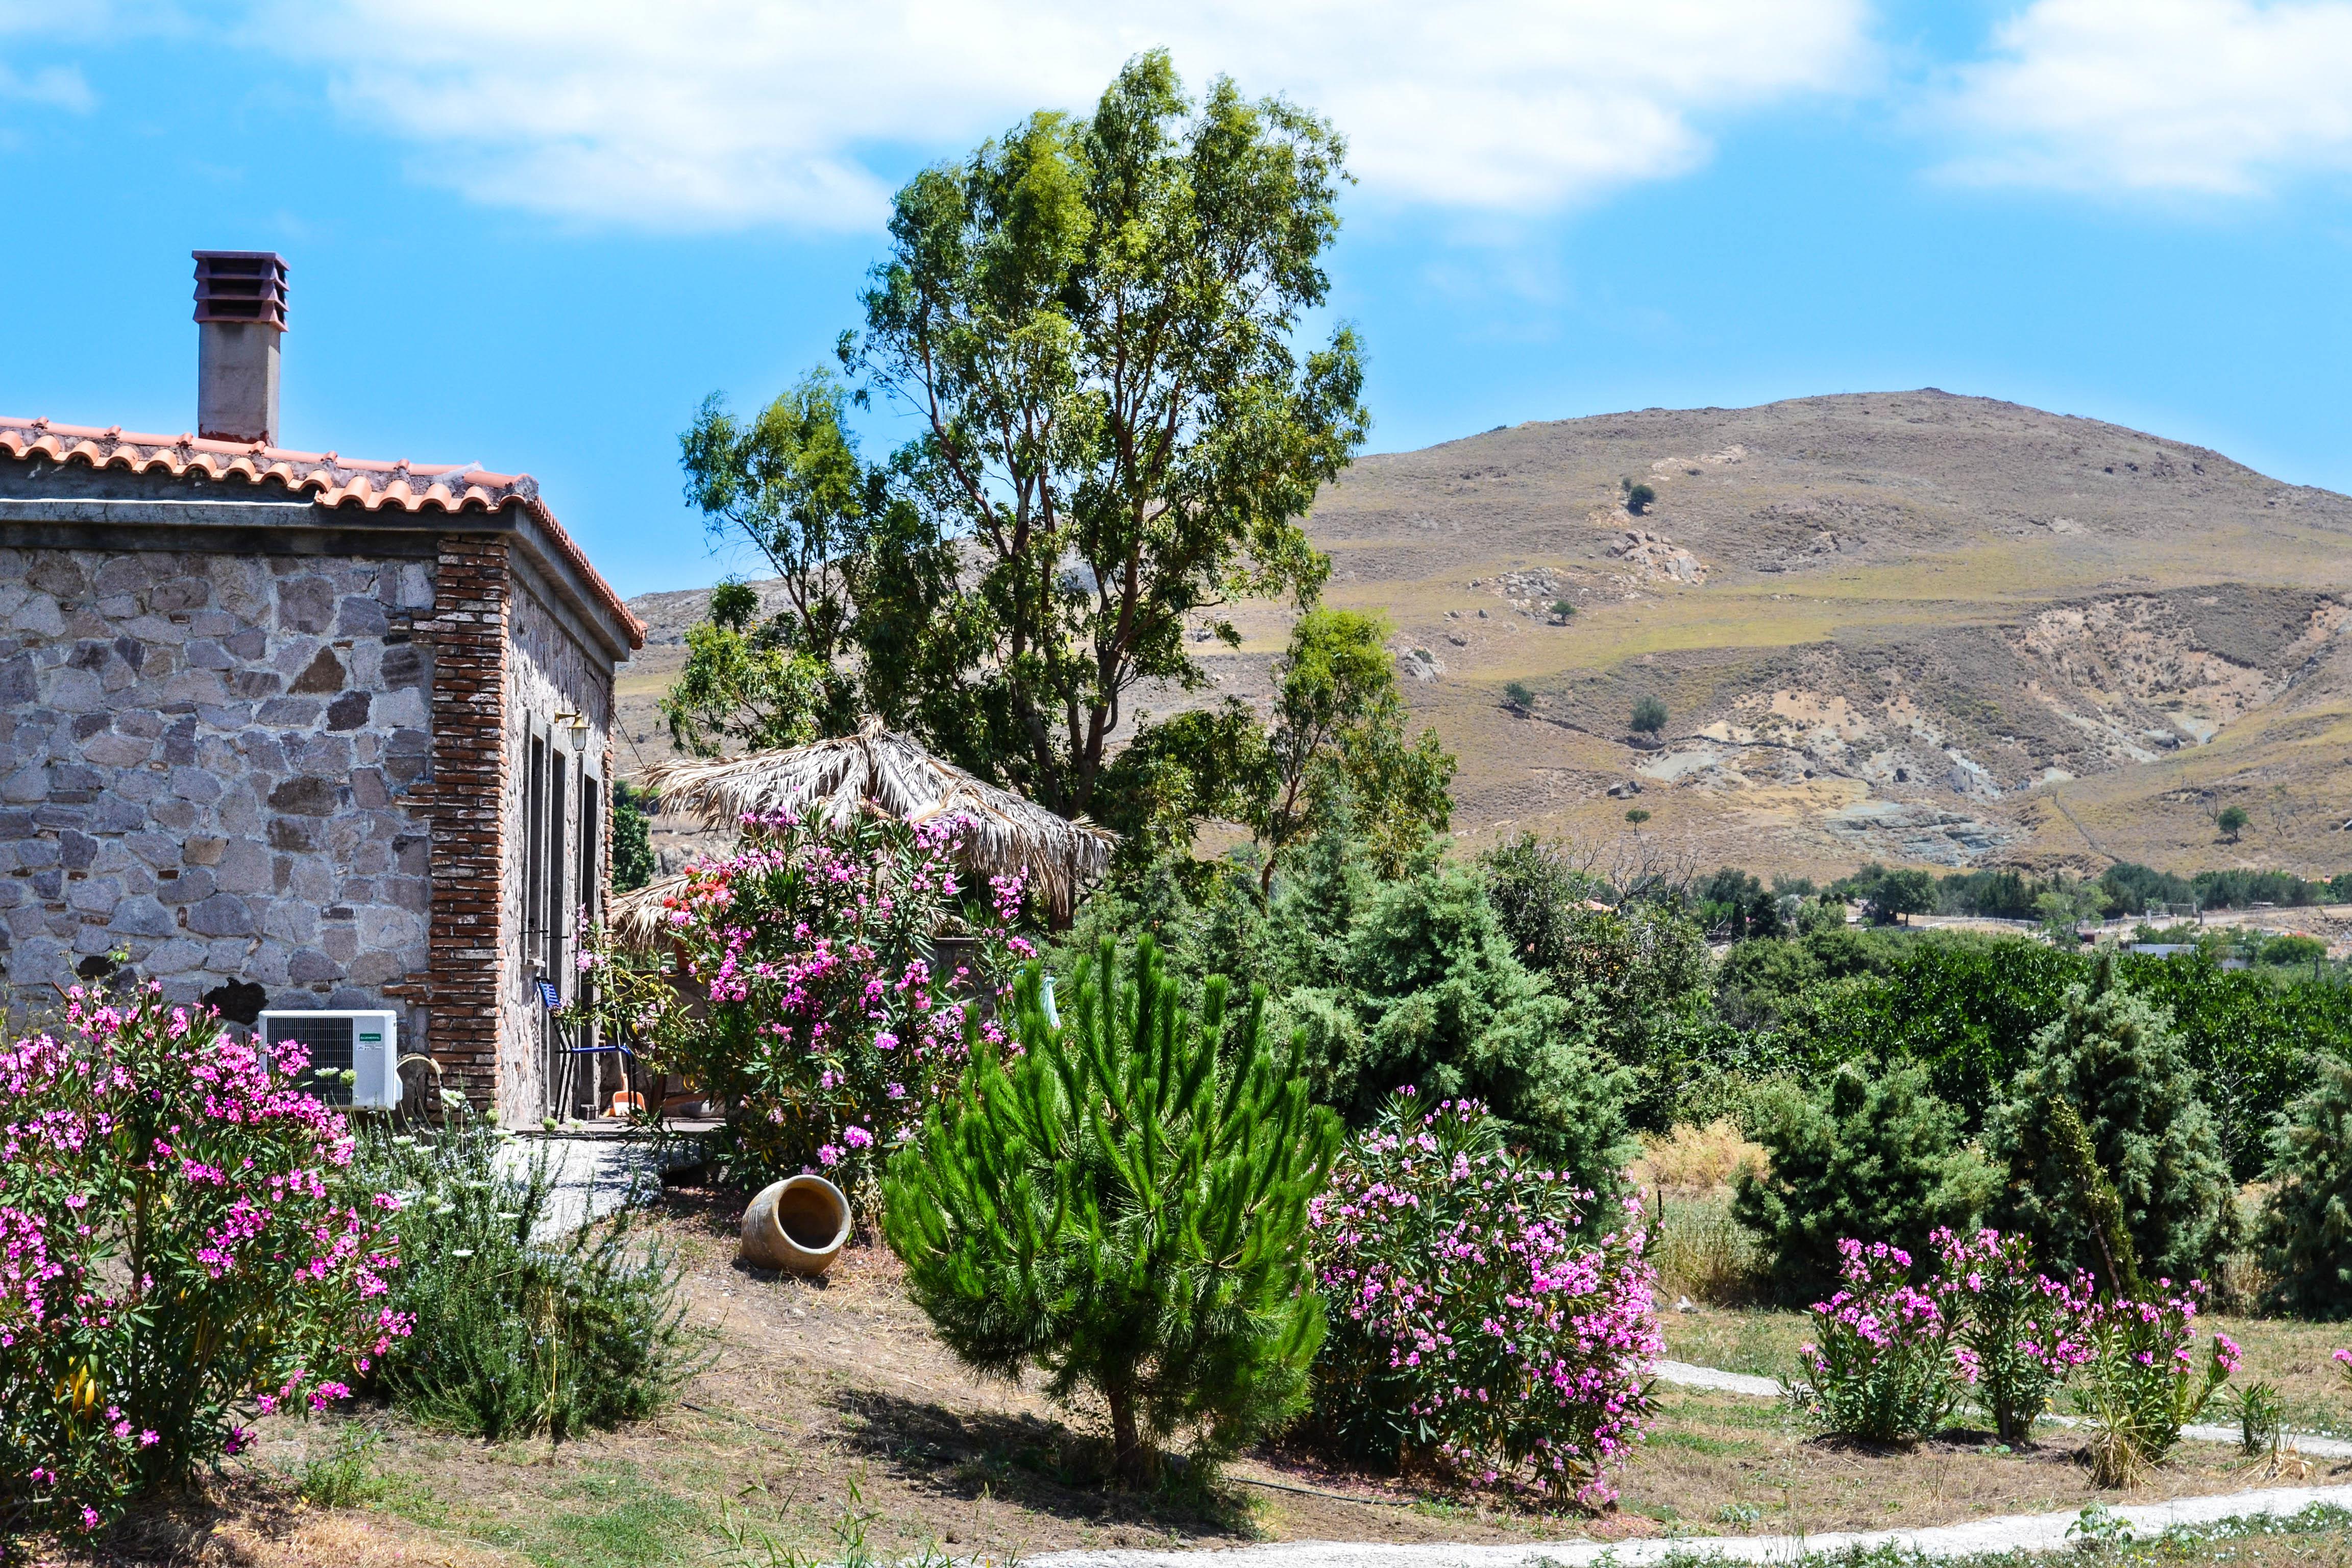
(1697, 1162)
(2296, 1356)
(1722, 1465)
(832, 1399)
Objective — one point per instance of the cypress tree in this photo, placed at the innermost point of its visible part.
(2306, 1237)
(1121, 1208)
(2070, 1141)
(1875, 1157)
(2119, 1061)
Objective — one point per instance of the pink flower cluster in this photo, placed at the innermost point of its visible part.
(2019, 1334)
(1881, 1365)
(833, 1021)
(2143, 1379)
(1476, 1321)
(1891, 1360)
(169, 1202)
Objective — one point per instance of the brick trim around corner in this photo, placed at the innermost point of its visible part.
(472, 593)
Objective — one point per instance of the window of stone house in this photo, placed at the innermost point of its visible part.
(592, 822)
(557, 909)
(534, 821)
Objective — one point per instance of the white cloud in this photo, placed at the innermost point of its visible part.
(2215, 97)
(58, 87)
(715, 113)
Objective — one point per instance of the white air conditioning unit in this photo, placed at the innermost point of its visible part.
(366, 1043)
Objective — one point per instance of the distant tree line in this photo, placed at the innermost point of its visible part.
(2123, 889)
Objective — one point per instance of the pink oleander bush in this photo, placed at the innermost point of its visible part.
(2017, 1334)
(1882, 1365)
(803, 992)
(1890, 1360)
(1481, 1316)
(184, 1244)
(2143, 1378)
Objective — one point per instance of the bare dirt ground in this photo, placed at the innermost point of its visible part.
(830, 1403)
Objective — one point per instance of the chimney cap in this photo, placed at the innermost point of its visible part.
(246, 286)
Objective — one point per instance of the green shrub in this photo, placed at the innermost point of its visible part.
(1444, 1006)
(1875, 1156)
(633, 846)
(1649, 716)
(1964, 1007)
(2119, 1061)
(1968, 1008)
(1121, 1209)
(2296, 951)
(2261, 1415)
(1734, 905)
(516, 1333)
(1640, 970)
(2305, 1235)
(1518, 695)
(343, 1474)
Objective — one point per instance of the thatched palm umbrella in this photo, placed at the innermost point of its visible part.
(874, 769)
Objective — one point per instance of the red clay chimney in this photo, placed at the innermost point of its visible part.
(240, 316)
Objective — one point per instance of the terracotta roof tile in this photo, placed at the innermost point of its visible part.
(333, 481)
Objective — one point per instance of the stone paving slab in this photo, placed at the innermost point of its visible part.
(593, 1176)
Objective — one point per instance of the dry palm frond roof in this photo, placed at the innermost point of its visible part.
(878, 770)
(639, 916)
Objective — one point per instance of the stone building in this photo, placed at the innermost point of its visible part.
(288, 729)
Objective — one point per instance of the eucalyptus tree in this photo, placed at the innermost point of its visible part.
(788, 482)
(1098, 323)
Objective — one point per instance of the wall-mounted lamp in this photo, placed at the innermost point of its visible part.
(575, 725)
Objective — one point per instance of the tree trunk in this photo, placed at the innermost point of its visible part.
(1130, 1459)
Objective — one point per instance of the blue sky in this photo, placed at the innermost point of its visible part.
(533, 234)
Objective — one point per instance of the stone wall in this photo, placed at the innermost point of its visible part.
(552, 668)
(213, 762)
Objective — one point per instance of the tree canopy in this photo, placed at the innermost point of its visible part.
(1094, 321)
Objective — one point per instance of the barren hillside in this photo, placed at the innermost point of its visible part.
(1907, 626)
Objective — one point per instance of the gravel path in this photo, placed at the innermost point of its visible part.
(2027, 1532)
(1689, 1376)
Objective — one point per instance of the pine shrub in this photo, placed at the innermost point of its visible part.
(2118, 1062)
(1875, 1156)
(1444, 1006)
(1120, 1208)
(2305, 1233)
